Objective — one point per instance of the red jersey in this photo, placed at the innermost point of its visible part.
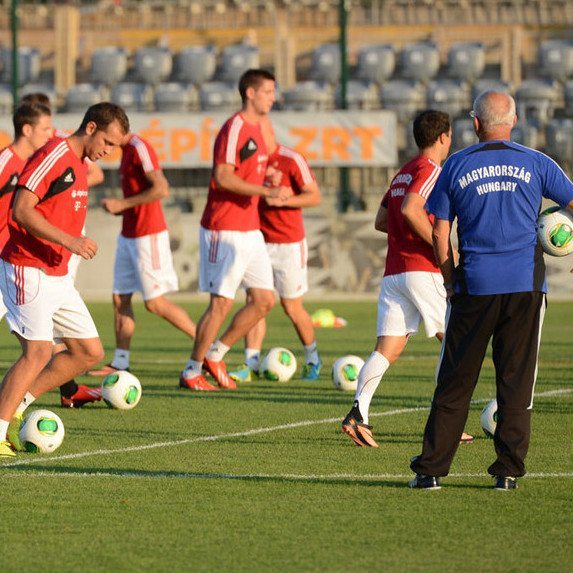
(138, 159)
(407, 251)
(241, 144)
(11, 166)
(58, 177)
(283, 224)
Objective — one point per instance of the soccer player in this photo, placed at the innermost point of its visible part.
(412, 288)
(46, 222)
(497, 291)
(283, 229)
(143, 260)
(233, 251)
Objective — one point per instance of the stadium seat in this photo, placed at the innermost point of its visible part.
(463, 134)
(325, 65)
(309, 96)
(568, 98)
(82, 96)
(485, 84)
(5, 99)
(555, 59)
(108, 65)
(195, 64)
(419, 62)
(559, 140)
(376, 63)
(219, 96)
(237, 59)
(29, 64)
(536, 101)
(175, 97)
(153, 64)
(48, 89)
(404, 97)
(133, 96)
(525, 134)
(449, 96)
(359, 95)
(466, 61)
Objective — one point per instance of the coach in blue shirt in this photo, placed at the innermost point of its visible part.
(494, 189)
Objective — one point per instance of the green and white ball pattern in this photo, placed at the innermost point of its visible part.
(121, 390)
(42, 431)
(279, 365)
(345, 372)
(555, 231)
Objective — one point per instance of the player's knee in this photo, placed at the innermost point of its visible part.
(291, 307)
(265, 302)
(92, 354)
(154, 305)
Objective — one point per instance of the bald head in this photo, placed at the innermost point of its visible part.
(495, 114)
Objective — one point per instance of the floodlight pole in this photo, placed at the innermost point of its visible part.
(14, 24)
(345, 193)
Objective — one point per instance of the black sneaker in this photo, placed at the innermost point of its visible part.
(504, 483)
(354, 426)
(422, 481)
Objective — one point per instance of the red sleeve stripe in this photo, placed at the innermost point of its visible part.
(301, 163)
(5, 157)
(233, 141)
(428, 186)
(47, 163)
(143, 154)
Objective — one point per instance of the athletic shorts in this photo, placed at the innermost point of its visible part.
(144, 264)
(43, 307)
(289, 268)
(406, 299)
(231, 259)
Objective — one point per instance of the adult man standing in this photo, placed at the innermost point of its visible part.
(232, 247)
(46, 222)
(494, 189)
(411, 289)
(283, 229)
(143, 260)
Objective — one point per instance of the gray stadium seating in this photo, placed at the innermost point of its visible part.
(536, 101)
(29, 64)
(47, 89)
(419, 62)
(466, 61)
(195, 64)
(219, 96)
(81, 96)
(237, 59)
(359, 95)
(376, 63)
(559, 140)
(133, 96)
(568, 98)
(326, 64)
(404, 97)
(153, 64)
(449, 96)
(463, 134)
(525, 134)
(108, 65)
(555, 59)
(176, 97)
(5, 99)
(309, 96)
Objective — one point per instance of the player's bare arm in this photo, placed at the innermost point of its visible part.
(443, 250)
(381, 221)
(225, 178)
(159, 189)
(95, 174)
(308, 197)
(416, 216)
(28, 217)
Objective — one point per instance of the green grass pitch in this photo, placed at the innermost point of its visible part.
(263, 479)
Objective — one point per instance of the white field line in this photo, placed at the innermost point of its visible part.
(253, 432)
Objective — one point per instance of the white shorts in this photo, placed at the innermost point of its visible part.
(406, 299)
(73, 265)
(144, 264)
(230, 259)
(43, 307)
(289, 268)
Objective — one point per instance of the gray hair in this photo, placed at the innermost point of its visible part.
(492, 110)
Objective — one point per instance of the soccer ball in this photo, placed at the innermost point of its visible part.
(279, 365)
(555, 231)
(345, 372)
(488, 419)
(42, 431)
(121, 390)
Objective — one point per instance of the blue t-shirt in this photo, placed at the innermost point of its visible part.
(495, 190)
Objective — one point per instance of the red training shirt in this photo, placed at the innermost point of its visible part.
(407, 251)
(241, 144)
(11, 166)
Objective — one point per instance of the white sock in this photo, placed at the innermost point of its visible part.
(368, 380)
(311, 354)
(192, 369)
(253, 358)
(4, 430)
(120, 359)
(26, 401)
(217, 351)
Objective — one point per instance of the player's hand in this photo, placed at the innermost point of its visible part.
(112, 205)
(83, 246)
(273, 177)
(274, 202)
(282, 193)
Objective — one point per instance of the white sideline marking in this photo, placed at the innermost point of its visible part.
(253, 432)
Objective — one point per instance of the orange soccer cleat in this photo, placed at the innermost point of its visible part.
(219, 371)
(83, 395)
(197, 382)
